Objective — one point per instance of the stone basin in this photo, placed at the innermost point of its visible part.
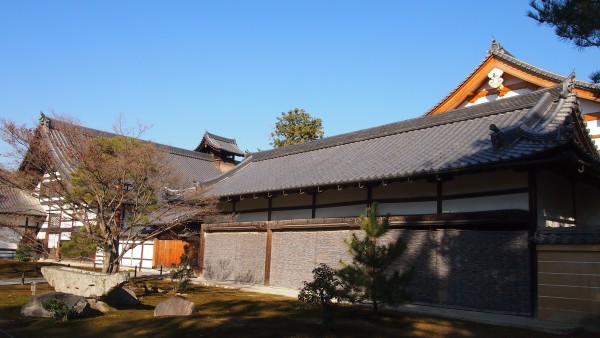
(84, 283)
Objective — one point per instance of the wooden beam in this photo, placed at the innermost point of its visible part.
(268, 256)
(201, 250)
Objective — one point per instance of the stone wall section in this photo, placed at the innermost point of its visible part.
(295, 254)
(237, 256)
(470, 269)
(483, 270)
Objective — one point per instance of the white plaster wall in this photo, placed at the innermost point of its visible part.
(555, 202)
(490, 181)
(499, 202)
(420, 188)
(411, 208)
(253, 216)
(291, 200)
(251, 203)
(344, 211)
(588, 106)
(291, 214)
(53, 240)
(344, 195)
(9, 238)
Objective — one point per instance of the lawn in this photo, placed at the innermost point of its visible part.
(14, 269)
(227, 312)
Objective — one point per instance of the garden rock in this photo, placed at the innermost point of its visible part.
(98, 305)
(84, 283)
(121, 297)
(176, 306)
(34, 308)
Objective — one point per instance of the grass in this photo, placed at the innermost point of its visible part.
(16, 269)
(227, 312)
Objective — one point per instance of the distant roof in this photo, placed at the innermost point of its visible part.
(425, 145)
(18, 202)
(498, 52)
(220, 143)
(192, 165)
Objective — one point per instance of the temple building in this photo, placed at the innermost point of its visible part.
(494, 191)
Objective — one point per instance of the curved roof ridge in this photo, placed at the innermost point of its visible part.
(220, 143)
(496, 50)
(231, 172)
(543, 72)
(427, 121)
(220, 138)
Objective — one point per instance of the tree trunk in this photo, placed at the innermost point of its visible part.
(110, 263)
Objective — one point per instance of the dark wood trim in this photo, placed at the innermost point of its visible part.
(270, 208)
(233, 206)
(573, 200)
(314, 204)
(260, 226)
(201, 250)
(268, 256)
(367, 202)
(487, 193)
(500, 220)
(369, 196)
(439, 197)
(533, 220)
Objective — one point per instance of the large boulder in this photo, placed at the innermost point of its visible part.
(176, 306)
(84, 283)
(34, 307)
(119, 297)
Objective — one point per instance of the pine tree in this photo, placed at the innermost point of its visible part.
(294, 127)
(369, 277)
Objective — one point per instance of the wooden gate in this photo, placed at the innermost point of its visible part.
(168, 252)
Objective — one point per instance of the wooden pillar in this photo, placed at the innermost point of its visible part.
(314, 204)
(268, 255)
(532, 228)
(439, 189)
(270, 207)
(201, 250)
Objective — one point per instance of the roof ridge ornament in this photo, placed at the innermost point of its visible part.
(495, 47)
(44, 120)
(567, 85)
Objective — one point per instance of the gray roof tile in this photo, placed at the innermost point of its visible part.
(18, 202)
(429, 144)
(193, 166)
(220, 143)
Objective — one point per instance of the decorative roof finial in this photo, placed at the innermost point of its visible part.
(567, 85)
(44, 120)
(495, 47)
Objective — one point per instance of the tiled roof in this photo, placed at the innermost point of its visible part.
(420, 146)
(18, 202)
(192, 165)
(220, 143)
(496, 50)
(572, 235)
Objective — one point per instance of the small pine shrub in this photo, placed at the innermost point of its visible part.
(60, 310)
(180, 277)
(23, 253)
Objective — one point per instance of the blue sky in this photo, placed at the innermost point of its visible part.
(231, 67)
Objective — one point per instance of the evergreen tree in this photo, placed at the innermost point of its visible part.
(369, 277)
(321, 291)
(577, 21)
(296, 126)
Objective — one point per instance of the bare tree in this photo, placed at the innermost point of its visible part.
(118, 188)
